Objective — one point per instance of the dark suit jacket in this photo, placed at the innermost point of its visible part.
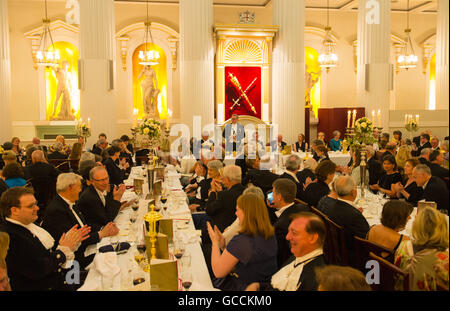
(299, 186)
(302, 176)
(227, 133)
(307, 279)
(350, 218)
(438, 171)
(96, 150)
(57, 156)
(59, 219)
(281, 230)
(425, 161)
(420, 148)
(116, 175)
(3, 186)
(141, 153)
(375, 170)
(221, 207)
(260, 178)
(315, 191)
(91, 206)
(31, 267)
(437, 191)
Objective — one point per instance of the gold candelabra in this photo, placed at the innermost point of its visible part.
(152, 218)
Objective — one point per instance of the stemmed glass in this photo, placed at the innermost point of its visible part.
(186, 279)
(114, 241)
(178, 250)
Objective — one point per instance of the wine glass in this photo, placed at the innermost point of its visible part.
(135, 205)
(133, 217)
(178, 250)
(186, 279)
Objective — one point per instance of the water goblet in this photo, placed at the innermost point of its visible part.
(186, 279)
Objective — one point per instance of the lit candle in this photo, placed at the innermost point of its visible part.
(406, 119)
(348, 118)
(379, 118)
(169, 115)
(354, 118)
(417, 119)
(89, 122)
(373, 116)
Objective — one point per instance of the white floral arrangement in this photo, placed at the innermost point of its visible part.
(363, 133)
(412, 125)
(364, 125)
(82, 129)
(150, 128)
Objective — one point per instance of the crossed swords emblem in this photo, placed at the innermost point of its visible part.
(243, 93)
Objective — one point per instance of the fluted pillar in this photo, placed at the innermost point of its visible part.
(5, 75)
(197, 61)
(374, 71)
(442, 37)
(288, 74)
(97, 52)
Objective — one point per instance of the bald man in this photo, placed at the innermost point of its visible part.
(43, 178)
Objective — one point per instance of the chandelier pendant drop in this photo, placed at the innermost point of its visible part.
(148, 57)
(47, 57)
(328, 58)
(408, 59)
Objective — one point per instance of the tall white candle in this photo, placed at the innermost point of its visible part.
(406, 119)
(348, 118)
(373, 116)
(417, 119)
(379, 118)
(354, 118)
(89, 122)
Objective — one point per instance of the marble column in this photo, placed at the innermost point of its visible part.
(288, 74)
(5, 75)
(374, 71)
(97, 66)
(442, 37)
(196, 62)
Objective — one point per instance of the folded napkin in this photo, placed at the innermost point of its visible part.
(106, 264)
(190, 236)
(128, 196)
(109, 248)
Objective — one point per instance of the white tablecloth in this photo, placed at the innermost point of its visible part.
(178, 210)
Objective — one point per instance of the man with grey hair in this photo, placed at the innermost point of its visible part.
(314, 144)
(425, 156)
(221, 205)
(62, 214)
(101, 145)
(57, 154)
(345, 213)
(293, 164)
(434, 188)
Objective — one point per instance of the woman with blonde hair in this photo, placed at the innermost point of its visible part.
(403, 154)
(425, 256)
(250, 256)
(65, 148)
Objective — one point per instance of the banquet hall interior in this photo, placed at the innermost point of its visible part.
(205, 145)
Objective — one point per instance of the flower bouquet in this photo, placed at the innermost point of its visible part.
(363, 133)
(82, 129)
(150, 129)
(412, 125)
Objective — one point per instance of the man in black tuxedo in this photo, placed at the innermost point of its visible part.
(97, 203)
(259, 175)
(436, 161)
(306, 235)
(434, 189)
(43, 179)
(101, 145)
(233, 134)
(293, 164)
(57, 155)
(35, 260)
(425, 156)
(284, 191)
(116, 172)
(221, 205)
(345, 214)
(374, 166)
(424, 143)
(62, 214)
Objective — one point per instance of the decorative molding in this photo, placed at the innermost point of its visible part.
(241, 51)
(428, 49)
(123, 50)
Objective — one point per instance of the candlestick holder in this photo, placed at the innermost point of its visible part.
(362, 167)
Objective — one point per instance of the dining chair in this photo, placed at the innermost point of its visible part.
(362, 249)
(389, 275)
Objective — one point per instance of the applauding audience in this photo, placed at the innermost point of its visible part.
(408, 189)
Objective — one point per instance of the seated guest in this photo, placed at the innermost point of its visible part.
(336, 141)
(142, 153)
(403, 154)
(57, 153)
(13, 175)
(339, 278)
(425, 156)
(397, 139)
(222, 202)
(84, 168)
(62, 214)
(321, 137)
(278, 145)
(434, 189)
(434, 141)
(345, 213)
(309, 167)
(306, 236)
(28, 152)
(300, 144)
(213, 173)
(34, 260)
(116, 172)
(124, 153)
(37, 143)
(394, 217)
(9, 157)
(101, 137)
(382, 150)
(198, 168)
(129, 147)
(4, 279)
(316, 190)
(373, 165)
(255, 145)
(408, 189)
(258, 175)
(251, 255)
(98, 205)
(16, 147)
(65, 149)
(425, 256)
(315, 143)
(424, 144)
(445, 150)
(387, 181)
(355, 168)
(321, 153)
(101, 145)
(436, 161)
(293, 163)
(76, 151)
(284, 191)
(198, 190)
(329, 199)
(206, 142)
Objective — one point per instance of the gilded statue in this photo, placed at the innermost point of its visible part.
(150, 92)
(311, 78)
(63, 90)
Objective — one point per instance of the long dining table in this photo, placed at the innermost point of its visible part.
(123, 266)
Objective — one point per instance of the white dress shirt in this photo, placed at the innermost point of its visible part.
(102, 195)
(281, 210)
(73, 212)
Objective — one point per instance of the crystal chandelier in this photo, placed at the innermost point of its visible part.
(407, 59)
(148, 57)
(328, 58)
(47, 58)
